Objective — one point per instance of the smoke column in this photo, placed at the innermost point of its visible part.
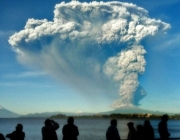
(92, 47)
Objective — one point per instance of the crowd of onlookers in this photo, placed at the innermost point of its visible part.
(142, 132)
(70, 131)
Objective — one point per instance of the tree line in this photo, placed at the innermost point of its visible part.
(120, 116)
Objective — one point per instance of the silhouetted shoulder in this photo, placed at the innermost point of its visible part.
(49, 130)
(2, 137)
(132, 135)
(112, 131)
(163, 129)
(70, 131)
(140, 133)
(18, 134)
(148, 130)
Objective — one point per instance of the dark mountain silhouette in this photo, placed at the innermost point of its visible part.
(4, 113)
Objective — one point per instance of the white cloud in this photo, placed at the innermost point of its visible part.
(172, 42)
(156, 4)
(24, 84)
(27, 74)
(4, 35)
(93, 47)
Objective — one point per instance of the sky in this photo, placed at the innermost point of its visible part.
(74, 61)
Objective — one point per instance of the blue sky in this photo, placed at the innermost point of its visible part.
(28, 89)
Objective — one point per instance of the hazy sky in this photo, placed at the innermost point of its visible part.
(38, 76)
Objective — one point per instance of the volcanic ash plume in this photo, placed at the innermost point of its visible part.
(92, 47)
(124, 68)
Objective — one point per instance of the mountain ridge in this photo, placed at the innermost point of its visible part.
(129, 109)
(121, 110)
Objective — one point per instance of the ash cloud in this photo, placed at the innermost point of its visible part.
(92, 47)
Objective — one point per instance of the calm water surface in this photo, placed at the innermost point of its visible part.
(90, 129)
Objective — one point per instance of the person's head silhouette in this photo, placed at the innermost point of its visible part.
(113, 122)
(47, 122)
(70, 120)
(147, 123)
(130, 125)
(19, 127)
(164, 118)
(139, 127)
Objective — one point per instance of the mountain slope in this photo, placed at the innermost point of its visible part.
(4, 113)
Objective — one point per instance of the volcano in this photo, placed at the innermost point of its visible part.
(4, 113)
(131, 109)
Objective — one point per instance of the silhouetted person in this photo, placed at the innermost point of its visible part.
(148, 130)
(70, 131)
(18, 134)
(112, 132)
(49, 130)
(2, 137)
(162, 128)
(132, 135)
(140, 135)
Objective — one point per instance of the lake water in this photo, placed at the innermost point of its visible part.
(89, 129)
